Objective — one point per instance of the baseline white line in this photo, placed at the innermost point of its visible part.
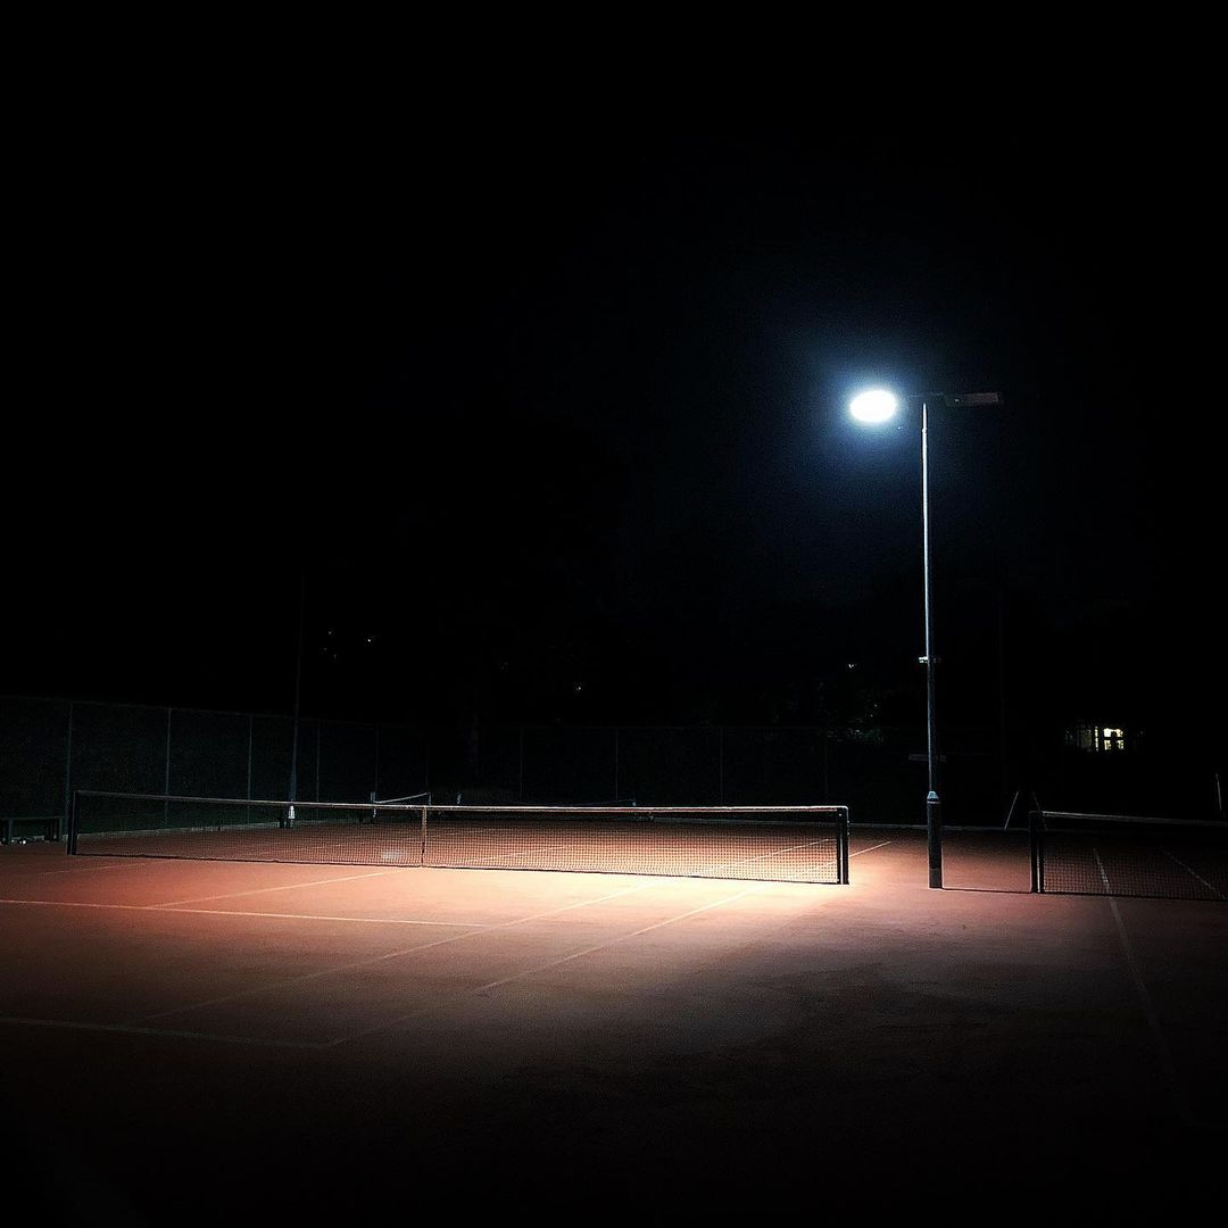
(554, 963)
(124, 1029)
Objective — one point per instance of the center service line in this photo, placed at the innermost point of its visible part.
(554, 963)
(271, 986)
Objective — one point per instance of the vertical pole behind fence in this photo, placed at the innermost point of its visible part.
(68, 772)
(251, 729)
(166, 775)
(73, 821)
(826, 765)
(376, 793)
(298, 693)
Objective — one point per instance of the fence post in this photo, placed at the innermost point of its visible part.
(73, 821)
(68, 794)
(376, 793)
(251, 734)
(166, 775)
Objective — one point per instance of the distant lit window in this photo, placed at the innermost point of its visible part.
(1097, 739)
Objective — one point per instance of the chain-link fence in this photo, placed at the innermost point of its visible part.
(49, 747)
(880, 774)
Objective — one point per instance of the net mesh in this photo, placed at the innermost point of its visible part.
(241, 830)
(792, 844)
(1123, 855)
(709, 842)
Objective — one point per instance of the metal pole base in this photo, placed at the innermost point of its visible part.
(933, 834)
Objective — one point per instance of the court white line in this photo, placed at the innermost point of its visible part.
(234, 895)
(77, 904)
(610, 942)
(792, 848)
(872, 847)
(272, 986)
(1163, 1050)
(125, 1029)
(484, 862)
(302, 980)
(143, 863)
(1175, 1089)
(235, 912)
(1215, 891)
(554, 963)
(296, 916)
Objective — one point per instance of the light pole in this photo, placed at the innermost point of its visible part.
(875, 407)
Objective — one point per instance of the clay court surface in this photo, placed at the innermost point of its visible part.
(205, 1042)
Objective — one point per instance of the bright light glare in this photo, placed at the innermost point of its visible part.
(877, 405)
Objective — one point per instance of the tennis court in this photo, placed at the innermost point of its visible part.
(187, 1040)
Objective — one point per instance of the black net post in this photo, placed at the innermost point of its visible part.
(842, 820)
(1036, 843)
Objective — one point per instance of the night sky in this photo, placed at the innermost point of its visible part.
(550, 405)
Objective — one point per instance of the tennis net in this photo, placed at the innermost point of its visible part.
(774, 843)
(1128, 855)
(381, 813)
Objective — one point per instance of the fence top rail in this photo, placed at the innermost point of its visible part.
(1129, 820)
(644, 809)
(506, 809)
(69, 701)
(240, 801)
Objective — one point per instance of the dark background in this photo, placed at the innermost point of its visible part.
(546, 400)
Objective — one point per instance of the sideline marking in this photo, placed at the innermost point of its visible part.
(1215, 891)
(1175, 1089)
(872, 847)
(126, 865)
(126, 1029)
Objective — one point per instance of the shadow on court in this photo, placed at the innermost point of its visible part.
(196, 1041)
